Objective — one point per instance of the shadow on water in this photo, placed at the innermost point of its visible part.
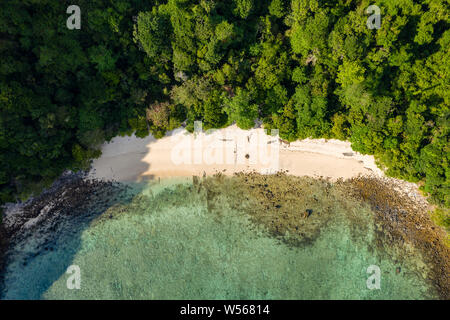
(46, 232)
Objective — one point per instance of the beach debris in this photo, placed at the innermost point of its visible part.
(284, 142)
(307, 213)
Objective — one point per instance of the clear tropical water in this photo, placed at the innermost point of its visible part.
(167, 243)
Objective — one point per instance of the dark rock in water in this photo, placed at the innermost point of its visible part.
(47, 217)
(307, 213)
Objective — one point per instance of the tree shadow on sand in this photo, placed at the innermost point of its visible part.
(45, 233)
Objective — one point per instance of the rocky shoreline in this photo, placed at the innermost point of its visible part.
(406, 220)
(301, 207)
(70, 200)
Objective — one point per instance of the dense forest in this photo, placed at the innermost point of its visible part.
(309, 68)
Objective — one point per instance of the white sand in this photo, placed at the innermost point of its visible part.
(180, 154)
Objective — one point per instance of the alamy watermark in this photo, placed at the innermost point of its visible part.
(74, 20)
(254, 148)
(74, 280)
(374, 280)
(374, 20)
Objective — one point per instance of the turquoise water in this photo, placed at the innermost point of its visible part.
(166, 244)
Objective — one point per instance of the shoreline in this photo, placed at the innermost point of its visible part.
(129, 159)
(132, 159)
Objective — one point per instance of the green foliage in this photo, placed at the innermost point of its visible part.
(242, 8)
(441, 216)
(349, 73)
(152, 32)
(241, 109)
(277, 8)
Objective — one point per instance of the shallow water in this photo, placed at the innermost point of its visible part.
(168, 244)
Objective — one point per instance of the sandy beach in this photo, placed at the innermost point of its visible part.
(229, 150)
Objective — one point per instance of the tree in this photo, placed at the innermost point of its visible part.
(152, 31)
(243, 8)
(158, 114)
(241, 109)
(277, 8)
